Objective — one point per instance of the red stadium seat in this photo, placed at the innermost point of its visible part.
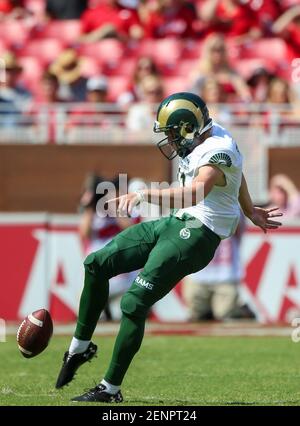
(116, 86)
(185, 67)
(192, 49)
(125, 67)
(174, 84)
(108, 53)
(274, 49)
(90, 67)
(66, 31)
(168, 49)
(45, 50)
(166, 53)
(246, 67)
(14, 32)
(32, 68)
(109, 50)
(31, 74)
(3, 47)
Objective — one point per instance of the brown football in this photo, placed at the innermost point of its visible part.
(34, 333)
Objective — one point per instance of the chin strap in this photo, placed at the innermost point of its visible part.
(186, 150)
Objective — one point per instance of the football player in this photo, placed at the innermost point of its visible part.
(167, 249)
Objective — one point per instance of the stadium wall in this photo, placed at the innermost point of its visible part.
(50, 177)
(41, 266)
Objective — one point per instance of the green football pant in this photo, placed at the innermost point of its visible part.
(167, 249)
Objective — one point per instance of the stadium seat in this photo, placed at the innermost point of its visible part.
(3, 47)
(185, 67)
(108, 53)
(168, 49)
(46, 50)
(166, 53)
(31, 75)
(125, 67)
(273, 49)
(174, 84)
(108, 50)
(90, 67)
(192, 49)
(14, 32)
(32, 68)
(246, 67)
(66, 31)
(116, 86)
(36, 6)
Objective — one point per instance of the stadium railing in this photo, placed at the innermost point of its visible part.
(107, 123)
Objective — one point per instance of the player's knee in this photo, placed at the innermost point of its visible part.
(132, 306)
(94, 263)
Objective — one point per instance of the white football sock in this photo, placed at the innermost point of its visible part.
(78, 346)
(113, 389)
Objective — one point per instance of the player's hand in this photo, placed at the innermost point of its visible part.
(126, 203)
(264, 218)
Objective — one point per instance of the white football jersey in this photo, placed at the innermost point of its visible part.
(220, 210)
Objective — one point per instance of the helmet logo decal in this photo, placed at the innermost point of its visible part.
(177, 104)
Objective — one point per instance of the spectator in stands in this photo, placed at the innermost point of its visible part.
(14, 98)
(279, 92)
(288, 27)
(145, 66)
(91, 112)
(97, 89)
(214, 63)
(141, 115)
(110, 18)
(284, 194)
(281, 95)
(170, 18)
(46, 115)
(66, 9)
(266, 12)
(213, 94)
(232, 18)
(50, 88)
(67, 68)
(259, 82)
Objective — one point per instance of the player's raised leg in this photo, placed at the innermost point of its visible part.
(166, 265)
(127, 252)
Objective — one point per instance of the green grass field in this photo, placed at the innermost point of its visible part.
(168, 370)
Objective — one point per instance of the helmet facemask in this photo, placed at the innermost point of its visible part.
(178, 141)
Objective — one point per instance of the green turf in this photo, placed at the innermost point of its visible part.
(169, 370)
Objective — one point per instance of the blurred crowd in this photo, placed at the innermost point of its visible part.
(132, 53)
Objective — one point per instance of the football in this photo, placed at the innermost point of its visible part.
(34, 333)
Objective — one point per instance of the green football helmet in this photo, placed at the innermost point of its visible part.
(182, 117)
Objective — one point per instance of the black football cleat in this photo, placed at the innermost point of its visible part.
(99, 394)
(72, 363)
